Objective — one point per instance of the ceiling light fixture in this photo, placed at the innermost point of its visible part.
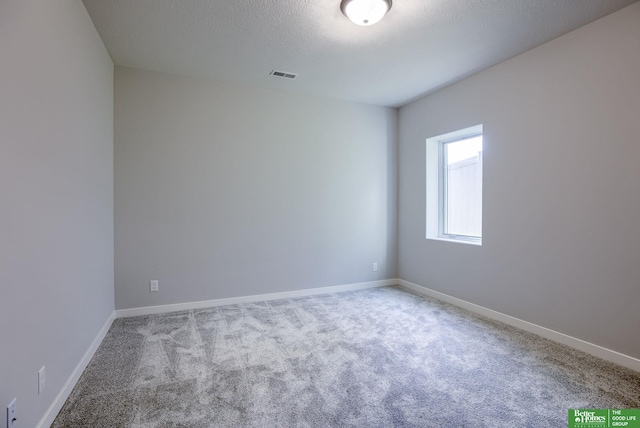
(365, 12)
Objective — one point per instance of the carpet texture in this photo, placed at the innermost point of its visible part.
(380, 357)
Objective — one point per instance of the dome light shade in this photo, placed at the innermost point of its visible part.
(365, 12)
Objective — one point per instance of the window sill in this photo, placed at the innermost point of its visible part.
(457, 241)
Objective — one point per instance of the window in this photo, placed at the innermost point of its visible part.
(454, 186)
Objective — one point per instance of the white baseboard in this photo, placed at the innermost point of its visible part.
(589, 348)
(59, 401)
(148, 310)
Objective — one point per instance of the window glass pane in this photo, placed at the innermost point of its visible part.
(463, 187)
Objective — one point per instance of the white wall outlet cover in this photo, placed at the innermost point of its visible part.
(12, 414)
(375, 267)
(153, 285)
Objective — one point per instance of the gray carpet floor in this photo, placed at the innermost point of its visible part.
(380, 357)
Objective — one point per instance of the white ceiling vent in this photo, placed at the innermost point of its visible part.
(283, 74)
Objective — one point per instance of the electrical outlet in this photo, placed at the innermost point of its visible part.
(153, 285)
(41, 380)
(375, 267)
(12, 414)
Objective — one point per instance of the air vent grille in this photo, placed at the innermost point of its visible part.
(283, 74)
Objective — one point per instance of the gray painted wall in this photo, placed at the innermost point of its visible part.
(226, 191)
(56, 191)
(561, 237)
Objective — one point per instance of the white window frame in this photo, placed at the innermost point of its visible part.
(436, 185)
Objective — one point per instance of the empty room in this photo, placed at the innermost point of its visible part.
(346, 213)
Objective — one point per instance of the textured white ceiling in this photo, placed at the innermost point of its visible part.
(420, 46)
